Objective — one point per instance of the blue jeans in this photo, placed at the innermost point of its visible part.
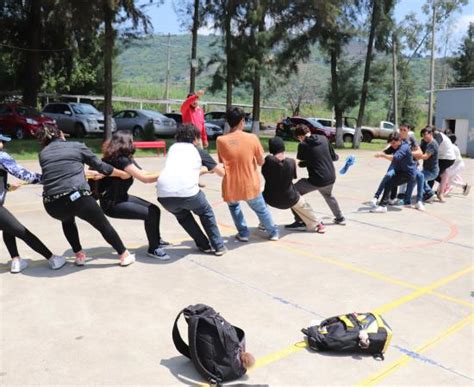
(182, 207)
(390, 173)
(420, 180)
(259, 206)
(429, 176)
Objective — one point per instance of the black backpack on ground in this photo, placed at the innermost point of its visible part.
(343, 334)
(214, 344)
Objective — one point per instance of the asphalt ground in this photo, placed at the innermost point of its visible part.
(102, 324)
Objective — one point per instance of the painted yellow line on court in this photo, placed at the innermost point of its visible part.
(424, 290)
(272, 357)
(397, 364)
(283, 353)
(383, 277)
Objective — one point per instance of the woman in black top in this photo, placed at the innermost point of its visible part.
(10, 225)
(114, 197)
(66, 193)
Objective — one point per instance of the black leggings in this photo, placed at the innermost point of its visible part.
(443, 165)
(13, 229)
(85, 208)
(137, 208)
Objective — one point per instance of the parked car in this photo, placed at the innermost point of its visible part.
(369, 132)
(286, 128)
(21, 121)
(212, 131)
(218, 118)
(136, 121)
(77, 119)
(347, 132)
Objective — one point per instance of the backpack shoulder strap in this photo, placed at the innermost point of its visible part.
(193, 327)
(177, 340)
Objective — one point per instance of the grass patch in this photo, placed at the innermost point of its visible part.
(28, 149)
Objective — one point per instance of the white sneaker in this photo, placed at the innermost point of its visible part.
(56, 262)
(80, 259)
(18, 265)
(373, 202)
(160, 254)
(379, 210)
(128, 260)
(419, 206)
(274, 237)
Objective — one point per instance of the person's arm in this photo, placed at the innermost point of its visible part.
(140, 174)
(205, 142)
(89, 158)
(382, 155)
(332, 152)
(17, 170)
(218, 170)
(187, 103)
(259, 152)
(209, 164)
(417, 153)
(425, 156)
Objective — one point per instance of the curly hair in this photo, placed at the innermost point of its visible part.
(47, 133)
(121, 144)
(187, 133)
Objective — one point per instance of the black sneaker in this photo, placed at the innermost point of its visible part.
(221, 251)
(205, 250)
(340, 221)
(296, 225)
(163, 243)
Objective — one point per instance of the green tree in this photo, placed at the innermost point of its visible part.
(463, 63)
(379, 28)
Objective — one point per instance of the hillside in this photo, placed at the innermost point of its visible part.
(142, 67)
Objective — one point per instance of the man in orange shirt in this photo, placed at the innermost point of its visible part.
(241, 153)
(193, 114)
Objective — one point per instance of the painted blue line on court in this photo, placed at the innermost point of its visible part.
(426, 360)
(257, 289)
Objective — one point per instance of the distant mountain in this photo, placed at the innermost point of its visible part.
(142, 67)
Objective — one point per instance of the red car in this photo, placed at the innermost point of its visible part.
(20, 121)
(286, 128)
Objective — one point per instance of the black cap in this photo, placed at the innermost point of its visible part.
(276, 145)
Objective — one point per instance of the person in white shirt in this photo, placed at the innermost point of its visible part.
(178, 189)
(451, 177)
(447, 157)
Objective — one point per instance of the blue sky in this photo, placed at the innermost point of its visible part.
(165, 20)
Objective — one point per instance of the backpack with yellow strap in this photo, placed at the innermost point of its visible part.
(355, 332)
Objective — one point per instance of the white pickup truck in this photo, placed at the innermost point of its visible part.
(370, 132)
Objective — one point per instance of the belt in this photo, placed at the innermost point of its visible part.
(52, 198)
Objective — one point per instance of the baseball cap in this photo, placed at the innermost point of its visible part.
(4, 138)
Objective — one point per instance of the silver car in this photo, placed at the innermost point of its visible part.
(135, 120)
(218, 118)
(78, 119)
(347, 132)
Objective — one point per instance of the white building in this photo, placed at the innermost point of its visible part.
(455, 110)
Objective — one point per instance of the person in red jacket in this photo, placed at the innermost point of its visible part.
(193, 114)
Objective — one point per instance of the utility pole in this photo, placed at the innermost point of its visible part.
(432, 69)
(395, 81)
(194, 30)
(167, 87)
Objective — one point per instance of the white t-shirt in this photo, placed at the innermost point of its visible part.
(180, 177)
(446, 150)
